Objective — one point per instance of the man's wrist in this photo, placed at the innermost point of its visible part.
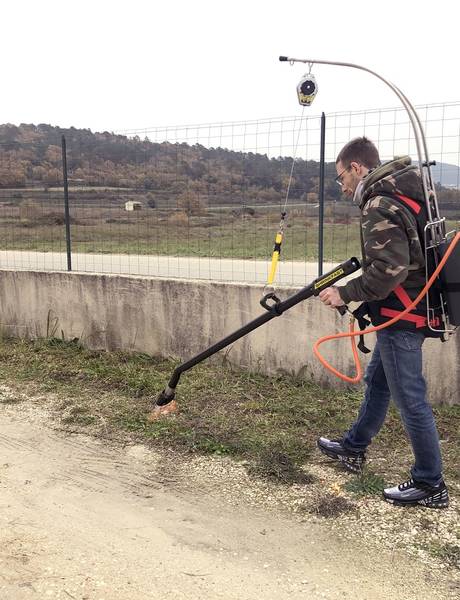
(343, 293)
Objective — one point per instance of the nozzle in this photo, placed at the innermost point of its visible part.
(165, 405)
(166, 396)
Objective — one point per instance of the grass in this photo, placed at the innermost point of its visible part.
(271, 423)
(218, 235)
(213, 234)
(448, 553)
(366, 484)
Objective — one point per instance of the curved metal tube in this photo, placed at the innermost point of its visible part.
(419, 135)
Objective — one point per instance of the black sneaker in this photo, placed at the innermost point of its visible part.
(352, 461)
(413, 493)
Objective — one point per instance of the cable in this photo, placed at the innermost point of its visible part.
(280, 233)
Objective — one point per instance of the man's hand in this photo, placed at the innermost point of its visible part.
(331, 297)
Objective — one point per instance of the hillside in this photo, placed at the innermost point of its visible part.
(30, 155)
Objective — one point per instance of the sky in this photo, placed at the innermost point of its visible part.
(123, 65)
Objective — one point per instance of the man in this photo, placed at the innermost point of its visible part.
(390, 197)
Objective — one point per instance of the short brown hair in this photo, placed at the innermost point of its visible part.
(359, 150)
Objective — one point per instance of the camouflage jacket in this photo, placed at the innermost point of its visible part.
(391, 249)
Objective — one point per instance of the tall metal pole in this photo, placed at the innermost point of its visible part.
(66, 205)
(321, 196)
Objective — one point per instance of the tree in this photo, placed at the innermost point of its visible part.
(54, 155)
(53, 176)
(191, 203)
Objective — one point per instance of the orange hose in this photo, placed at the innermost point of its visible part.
(352, 333)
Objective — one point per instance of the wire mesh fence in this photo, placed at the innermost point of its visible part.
(201, 200)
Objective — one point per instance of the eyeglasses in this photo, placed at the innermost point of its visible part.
(338, 179)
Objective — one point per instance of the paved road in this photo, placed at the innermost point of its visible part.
(218, 269)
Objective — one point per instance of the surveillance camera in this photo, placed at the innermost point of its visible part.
(307, 89)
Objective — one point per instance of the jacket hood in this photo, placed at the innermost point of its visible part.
(397, 176)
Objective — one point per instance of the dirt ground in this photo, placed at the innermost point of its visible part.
(86, 519)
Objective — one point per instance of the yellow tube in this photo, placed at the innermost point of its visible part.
(275, 257)
(274, 264)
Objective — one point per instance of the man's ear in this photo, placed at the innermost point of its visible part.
(355, 166)
(359, 169)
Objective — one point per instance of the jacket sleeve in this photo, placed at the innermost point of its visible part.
(386, 256)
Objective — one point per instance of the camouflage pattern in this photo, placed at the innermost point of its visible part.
(391, 250)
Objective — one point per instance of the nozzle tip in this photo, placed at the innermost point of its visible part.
(162, 411)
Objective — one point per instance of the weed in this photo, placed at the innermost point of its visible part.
(330, 506)
(279, 467)
(78, 415)
(449, 553)
(210, 446)
(366, 484)
(61, 342)
(426, 524)
(10, 399)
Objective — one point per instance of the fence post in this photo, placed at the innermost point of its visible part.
(66, 205)
(321, 197)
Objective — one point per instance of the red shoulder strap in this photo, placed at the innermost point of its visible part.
(415, 206)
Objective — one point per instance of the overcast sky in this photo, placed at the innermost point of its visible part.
(116, 65)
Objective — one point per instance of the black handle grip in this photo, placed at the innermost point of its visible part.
(283, 58)
(342, 309)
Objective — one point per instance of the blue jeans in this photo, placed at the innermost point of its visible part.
(395, 371)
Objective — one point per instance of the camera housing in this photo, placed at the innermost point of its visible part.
(307, 89)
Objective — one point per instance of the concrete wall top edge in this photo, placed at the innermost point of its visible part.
(282, 288)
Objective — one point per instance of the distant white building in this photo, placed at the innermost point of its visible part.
(133, 205)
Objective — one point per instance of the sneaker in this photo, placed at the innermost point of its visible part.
(413, 493)
(352, 461)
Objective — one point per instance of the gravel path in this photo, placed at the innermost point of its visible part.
(90, 519)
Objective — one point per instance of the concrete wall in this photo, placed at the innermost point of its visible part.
(181, 318)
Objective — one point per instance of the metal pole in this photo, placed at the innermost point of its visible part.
(321, 196)
(66, 205)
